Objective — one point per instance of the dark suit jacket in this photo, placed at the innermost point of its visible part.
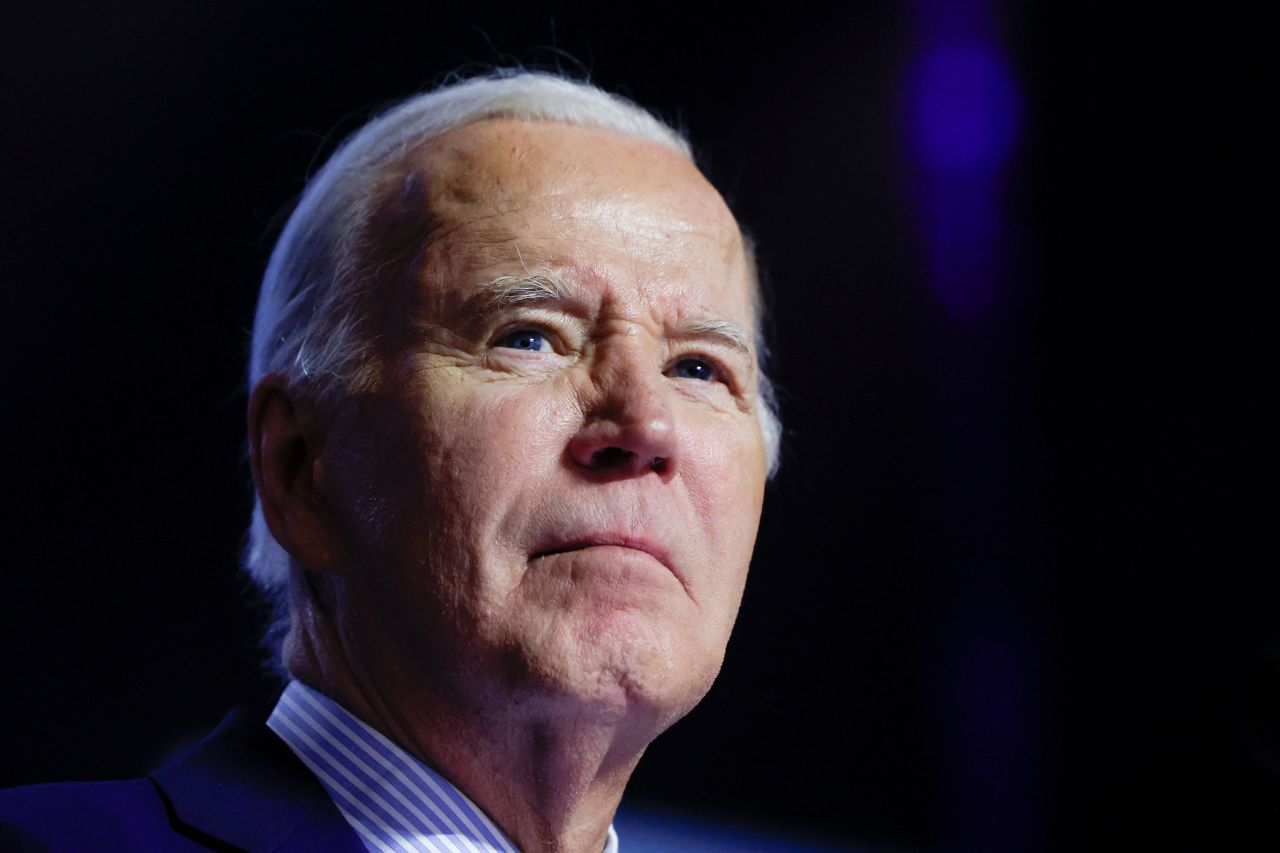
(240, 788)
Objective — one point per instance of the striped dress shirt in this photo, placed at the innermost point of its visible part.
(395, 803)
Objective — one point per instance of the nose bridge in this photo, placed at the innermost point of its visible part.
(627, 376)
(629, 423)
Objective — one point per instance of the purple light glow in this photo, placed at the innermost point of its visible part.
(964, 109)
(965, 246)
(961, 114)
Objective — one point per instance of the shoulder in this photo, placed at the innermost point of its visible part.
(241, 788)
(122, 815)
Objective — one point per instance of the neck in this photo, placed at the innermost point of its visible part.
(552, 785)
(549, 774)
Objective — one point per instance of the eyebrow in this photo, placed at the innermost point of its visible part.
(546, 286)
(726, 332)
(541, 286)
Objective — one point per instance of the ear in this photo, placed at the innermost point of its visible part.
(284, 454)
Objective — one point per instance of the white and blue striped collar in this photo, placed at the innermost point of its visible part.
(395, 803)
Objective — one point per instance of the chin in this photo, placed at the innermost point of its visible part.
(618, 667)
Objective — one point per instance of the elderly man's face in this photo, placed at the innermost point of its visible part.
(553, 495)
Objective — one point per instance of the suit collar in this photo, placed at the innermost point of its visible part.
(242, 786)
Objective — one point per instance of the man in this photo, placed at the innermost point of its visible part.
(509, 437)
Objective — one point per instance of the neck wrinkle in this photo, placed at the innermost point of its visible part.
(551, 785)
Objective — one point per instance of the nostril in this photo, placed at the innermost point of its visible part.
(658, 463)
(611, 457)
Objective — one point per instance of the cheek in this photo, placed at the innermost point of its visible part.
(492, 450)
(724, 476)
(497, 437)
(724, 471)
(451, 468)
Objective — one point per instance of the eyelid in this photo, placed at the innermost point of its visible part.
(554, 343)
(724, 373)
(555, 325)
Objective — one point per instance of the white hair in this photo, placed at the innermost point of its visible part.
(311, 321)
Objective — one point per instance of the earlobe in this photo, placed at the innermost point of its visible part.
(284, 456)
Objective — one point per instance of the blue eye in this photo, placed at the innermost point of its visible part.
(525, 339)
(694, 368)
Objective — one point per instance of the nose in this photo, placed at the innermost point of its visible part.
(629, 427)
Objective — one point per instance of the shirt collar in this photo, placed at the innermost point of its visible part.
(392, 800)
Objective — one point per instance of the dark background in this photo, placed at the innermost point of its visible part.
(1016, 585)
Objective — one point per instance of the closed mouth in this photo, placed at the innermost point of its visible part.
(644, 546)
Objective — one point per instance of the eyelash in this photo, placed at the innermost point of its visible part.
(720, 374)
(554, 341)
(506, 338)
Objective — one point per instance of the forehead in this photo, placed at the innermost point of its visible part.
(601, 205)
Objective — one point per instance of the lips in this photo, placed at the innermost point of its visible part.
(579, 543)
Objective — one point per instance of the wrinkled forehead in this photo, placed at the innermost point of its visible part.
(500, 180)
(504, 164)
(501, 196)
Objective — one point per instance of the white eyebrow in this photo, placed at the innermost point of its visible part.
(535, 287)
(546, 286)
(726, 331)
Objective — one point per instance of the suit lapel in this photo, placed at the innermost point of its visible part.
(242, 786)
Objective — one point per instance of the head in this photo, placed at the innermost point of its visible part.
(508, 406)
